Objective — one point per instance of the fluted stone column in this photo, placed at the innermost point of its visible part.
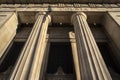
(29, 63)
(91, 63)
(36, 70)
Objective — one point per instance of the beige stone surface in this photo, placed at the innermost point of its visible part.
(112, 26)
(111, 23)
(8, 25)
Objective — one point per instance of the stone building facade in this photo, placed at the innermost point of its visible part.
(60, 40)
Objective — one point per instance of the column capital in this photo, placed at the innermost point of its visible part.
(78, 13)
(44, 13)
(39, 13)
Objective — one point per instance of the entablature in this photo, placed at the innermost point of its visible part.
(60, 7)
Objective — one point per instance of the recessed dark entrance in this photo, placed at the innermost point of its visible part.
(60, 62)
(60, 55)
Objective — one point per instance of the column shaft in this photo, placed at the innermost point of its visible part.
(91, 62)
(39, 53)
(23, 65)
